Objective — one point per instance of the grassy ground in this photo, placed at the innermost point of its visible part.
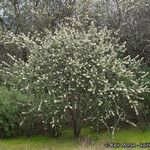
(67, 143)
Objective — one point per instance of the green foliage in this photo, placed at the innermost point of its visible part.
(9, 111)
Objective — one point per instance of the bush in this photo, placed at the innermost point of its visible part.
(9, 112)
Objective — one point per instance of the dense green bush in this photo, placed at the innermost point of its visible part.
(9, 112)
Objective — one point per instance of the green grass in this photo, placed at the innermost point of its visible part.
(67, 143)
(133, 135)
(37, 143)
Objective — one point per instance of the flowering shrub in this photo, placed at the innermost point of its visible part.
(83, 77)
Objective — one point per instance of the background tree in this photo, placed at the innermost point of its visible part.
(131, 18)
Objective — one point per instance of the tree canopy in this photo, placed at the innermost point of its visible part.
(83, 75)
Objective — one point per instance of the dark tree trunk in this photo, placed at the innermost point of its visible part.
(76, 125)
(76, 131)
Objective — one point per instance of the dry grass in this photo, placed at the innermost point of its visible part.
(91, 147)
(89, 144)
